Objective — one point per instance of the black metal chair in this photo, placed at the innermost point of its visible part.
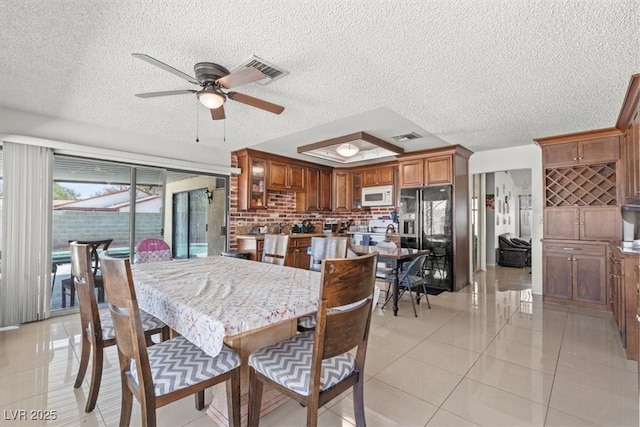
(412, 278)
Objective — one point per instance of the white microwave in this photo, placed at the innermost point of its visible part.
(377, 196)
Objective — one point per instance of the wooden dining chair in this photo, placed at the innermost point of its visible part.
(275, 248)
(315, 367)
(68, 286)
(167, 371)
(326, 247)
(97, 326)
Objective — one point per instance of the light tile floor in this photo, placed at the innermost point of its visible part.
(491, 355)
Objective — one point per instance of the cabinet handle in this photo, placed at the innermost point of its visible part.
(569, 259)
(638, 317)
(571, 249)
(575, 158)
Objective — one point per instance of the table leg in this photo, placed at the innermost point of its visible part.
(396, 286)
(244, 346)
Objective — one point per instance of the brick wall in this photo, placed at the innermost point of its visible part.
(281, 208)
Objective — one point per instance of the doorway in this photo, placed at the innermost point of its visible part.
(189, 224)
(501, 203)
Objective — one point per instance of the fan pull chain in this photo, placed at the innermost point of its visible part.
(197, 123)
(224, 131)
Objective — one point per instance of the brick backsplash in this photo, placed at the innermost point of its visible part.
(281, 208)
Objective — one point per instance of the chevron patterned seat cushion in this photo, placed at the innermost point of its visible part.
(177, 363)
(289, 363)
(149, 323)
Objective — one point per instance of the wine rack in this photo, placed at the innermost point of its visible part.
(583, 185)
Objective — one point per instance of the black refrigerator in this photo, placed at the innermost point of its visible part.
(426, 222)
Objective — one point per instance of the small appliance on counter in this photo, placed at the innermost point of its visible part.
(330, 228)
(376, 232)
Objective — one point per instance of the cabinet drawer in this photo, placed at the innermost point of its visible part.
(598, 250)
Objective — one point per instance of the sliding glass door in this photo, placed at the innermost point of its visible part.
(94, 200)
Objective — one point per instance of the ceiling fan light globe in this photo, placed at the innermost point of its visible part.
(347, 150)
(211, 99)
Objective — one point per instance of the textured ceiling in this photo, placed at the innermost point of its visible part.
(484, 74)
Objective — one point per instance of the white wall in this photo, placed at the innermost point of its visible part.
(522, 157)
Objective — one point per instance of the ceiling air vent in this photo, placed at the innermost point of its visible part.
(271, 71)
(406, 137)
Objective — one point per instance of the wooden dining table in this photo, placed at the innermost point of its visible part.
(394, 256)
(243, 304)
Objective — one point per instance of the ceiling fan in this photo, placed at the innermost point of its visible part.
(214, 80)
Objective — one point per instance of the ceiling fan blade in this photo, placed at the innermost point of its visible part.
(165, 67)
(240, 77)
(165, 93)
(256, 102)
(218, 113)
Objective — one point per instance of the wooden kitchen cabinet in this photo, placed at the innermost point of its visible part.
(624, 283)
(596, 150)
(286, 176)
(411, 173)
(377, 176)
(602, 223)
(297, 253)
(317, 196)
(575, 272)
(341, 191)
(438, 170)
(431, 167)
(629, 124)
(252, 187)
(355, 192)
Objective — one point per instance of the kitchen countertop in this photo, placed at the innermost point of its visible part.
(291, 236)
(630, 250)
(373, 233)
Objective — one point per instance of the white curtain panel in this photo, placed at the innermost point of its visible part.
(25, 287)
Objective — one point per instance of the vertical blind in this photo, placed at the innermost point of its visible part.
(26, 243)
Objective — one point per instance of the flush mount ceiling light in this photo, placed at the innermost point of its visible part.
(211, 98)
(352, 148)
(347, 150)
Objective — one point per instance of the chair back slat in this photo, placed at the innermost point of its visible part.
(336, 247)
(345, 281)
(275, 248)
(83, 279)
(123, 305)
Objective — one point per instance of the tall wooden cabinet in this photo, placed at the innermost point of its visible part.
(581, 215)
(445, 166)
(629, 123)
(623, 296)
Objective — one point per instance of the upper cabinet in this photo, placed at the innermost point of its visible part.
(317, 196)
(629, 124)
(264, 172)
(252, 182)
(377, 176)
(430, 167)
(341, 190)
(603, 149)
(286, 176)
